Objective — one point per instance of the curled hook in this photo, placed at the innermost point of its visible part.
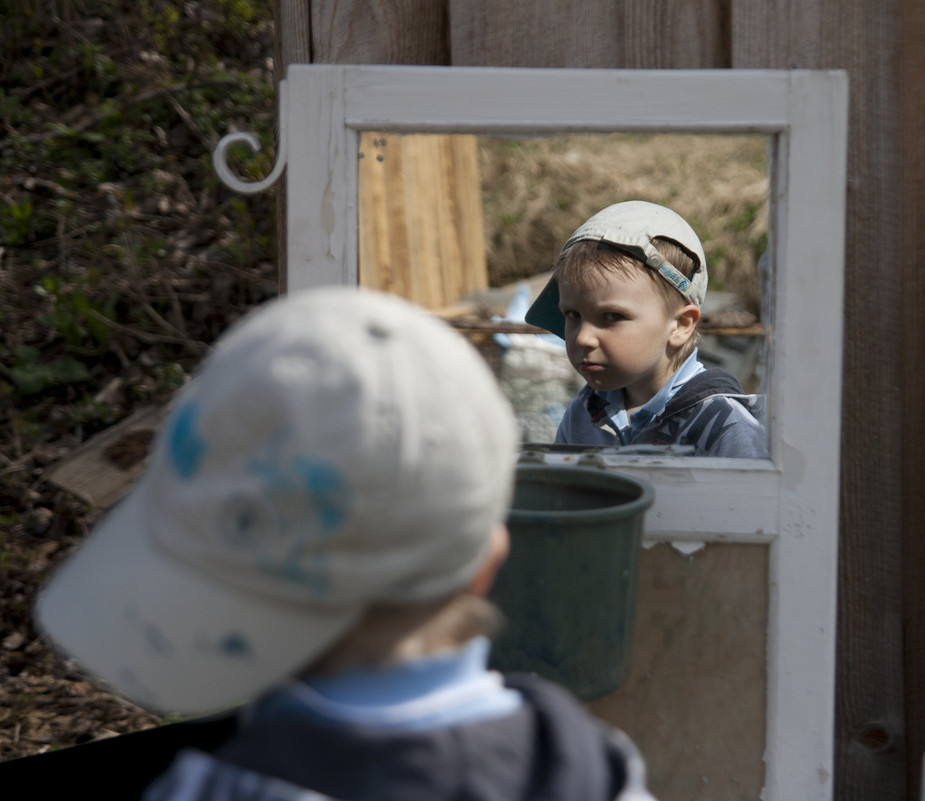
(220, 156)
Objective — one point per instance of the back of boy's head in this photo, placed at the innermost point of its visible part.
(627, 237)
(339, 449)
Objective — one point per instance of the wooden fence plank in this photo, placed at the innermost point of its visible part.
(544, 33)
(292, 44)
(792, 34)
(858, 36)
(911, 72)
(293, 40)
(681, 34)
(379, 32)
(592, 33)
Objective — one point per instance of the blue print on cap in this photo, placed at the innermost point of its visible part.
(187, 446)
(678, 280)
(235, 644)
(311, 572)
(328, 490)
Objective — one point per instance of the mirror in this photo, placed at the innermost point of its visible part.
(470, 226)
(786, 505)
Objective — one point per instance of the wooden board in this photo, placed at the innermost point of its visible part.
(695, 699)
(912, 153)
(688, 34)
(104, 468)
(378, 32)
(420, 230)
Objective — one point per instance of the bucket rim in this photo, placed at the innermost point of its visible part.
(594, 476)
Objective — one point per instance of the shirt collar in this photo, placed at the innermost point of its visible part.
(627, 427)
(446, 688)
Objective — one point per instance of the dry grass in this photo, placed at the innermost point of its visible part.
(537, 191)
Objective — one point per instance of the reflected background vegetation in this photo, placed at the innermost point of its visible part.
(537, 191)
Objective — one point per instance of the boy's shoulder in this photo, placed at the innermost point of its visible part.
(714, 414)
(487, 759)
(706, 384)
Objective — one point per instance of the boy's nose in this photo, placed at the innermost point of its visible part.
(585, 336)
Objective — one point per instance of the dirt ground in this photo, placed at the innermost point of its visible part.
(45, 701)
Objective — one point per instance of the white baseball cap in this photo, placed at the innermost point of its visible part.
(339, 447)
(631, 226)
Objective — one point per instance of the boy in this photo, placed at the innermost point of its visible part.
(320, 521)
(625, 295)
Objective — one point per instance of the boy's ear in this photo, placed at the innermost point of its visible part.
(685, 319)
(494, 558)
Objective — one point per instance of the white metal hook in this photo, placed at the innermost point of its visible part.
(220, 156)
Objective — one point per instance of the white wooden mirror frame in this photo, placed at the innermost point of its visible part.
(788, 502)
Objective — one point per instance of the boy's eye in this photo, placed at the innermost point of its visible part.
(613, 317)
(569, 314)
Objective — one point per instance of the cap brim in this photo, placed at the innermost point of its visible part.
(169, 638)
(544, 312)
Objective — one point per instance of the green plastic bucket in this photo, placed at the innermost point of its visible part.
(568, 588)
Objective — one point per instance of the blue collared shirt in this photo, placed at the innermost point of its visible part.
(628, 427)
(431, 692)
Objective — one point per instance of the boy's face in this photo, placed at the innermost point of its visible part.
(618, 333)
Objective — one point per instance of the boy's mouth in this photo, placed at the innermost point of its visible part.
(590, 367)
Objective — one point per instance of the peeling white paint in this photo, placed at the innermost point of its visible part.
(328, 215)
(688, 548)
(794, 465)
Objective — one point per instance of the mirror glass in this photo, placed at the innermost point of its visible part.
(470, 226)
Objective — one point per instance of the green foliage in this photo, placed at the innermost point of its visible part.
(169, 378)
(16, 222)
(746, 218)
(83, 318)
(90, 410)
(121, 255)
(748, 222)
(716, 254)
(759, 245)
(31, 376)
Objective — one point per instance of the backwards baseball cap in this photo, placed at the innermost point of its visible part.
(339, 447)
(631, 226)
